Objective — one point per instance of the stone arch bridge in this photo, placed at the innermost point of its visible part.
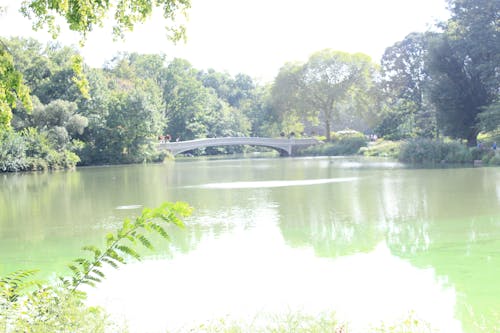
(286, 147)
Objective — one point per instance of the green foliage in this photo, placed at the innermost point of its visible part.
(463, 65)
(12, 88)
(427, 151)
(382, 148)
(277, 323)
(410, 324)
(342, 143)
(332, 85)
(30, 150)
(302, 322)
(489, 118)
(82, 15)
(404, 85)
(15, 285)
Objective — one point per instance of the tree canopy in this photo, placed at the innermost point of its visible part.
(323, 88)
(83, 15)
(432, 84)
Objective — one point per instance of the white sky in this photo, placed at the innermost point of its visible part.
(257, 37)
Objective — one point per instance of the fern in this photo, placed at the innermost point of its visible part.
(85, 271)
(16, 284)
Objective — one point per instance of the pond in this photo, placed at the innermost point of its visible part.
(368, 239)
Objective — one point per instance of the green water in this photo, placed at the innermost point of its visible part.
(369, 239)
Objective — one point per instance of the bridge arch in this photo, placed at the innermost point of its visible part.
(284, 146)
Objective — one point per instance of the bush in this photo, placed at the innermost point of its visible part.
(382, 148)
(426, 151)
(343, 143)
(30, 150)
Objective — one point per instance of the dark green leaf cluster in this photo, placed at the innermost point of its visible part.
(427, 151)
(445, 82)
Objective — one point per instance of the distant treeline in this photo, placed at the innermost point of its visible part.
(56, 112)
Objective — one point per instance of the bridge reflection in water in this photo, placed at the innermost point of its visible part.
(286, 147)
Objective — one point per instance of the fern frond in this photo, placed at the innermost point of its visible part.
(86, 271)
(16, 284)
(160, 230)
(110, 262)
(93, 278)
(128, 250)
(92, 249)
(90, 283)
(98, 272)
(112, 254)
(144, 241)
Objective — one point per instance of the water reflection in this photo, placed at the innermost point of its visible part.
(277, 231)
(234, 277)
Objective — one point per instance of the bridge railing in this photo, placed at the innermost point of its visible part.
(282, 144)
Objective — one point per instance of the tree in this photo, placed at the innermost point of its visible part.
(12, 88)
(135, 120)
(464, 67)
(51, 71)
(404, 84)
(60, 120)
(285, 100)
(189, 105)
(83, 15)
(331, 82)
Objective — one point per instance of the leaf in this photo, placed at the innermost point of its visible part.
(110, 238)
(159, 229)
(97, 272)
(144, 241)
(112, 253)
(93, 278)
(110, 262)
(129, 251)
(90, 283)
(92, 249)
(74, 269)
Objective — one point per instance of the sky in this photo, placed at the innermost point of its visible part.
(256, 37)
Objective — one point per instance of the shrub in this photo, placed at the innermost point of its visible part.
(343, 143)
(455, 152)
(30, 150)
(426, 151)
(382, 148)
(495, 160)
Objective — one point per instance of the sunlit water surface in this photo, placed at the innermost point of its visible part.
(369, 239)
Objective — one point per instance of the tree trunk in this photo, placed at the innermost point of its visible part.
(327, 129)
(472, 138)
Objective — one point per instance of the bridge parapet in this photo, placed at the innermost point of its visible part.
(282, 145)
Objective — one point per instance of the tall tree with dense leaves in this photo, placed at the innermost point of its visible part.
(464, 66)
(188, 102)
(403, 84)
(12, 88)
(285, 99)
(330, 82)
